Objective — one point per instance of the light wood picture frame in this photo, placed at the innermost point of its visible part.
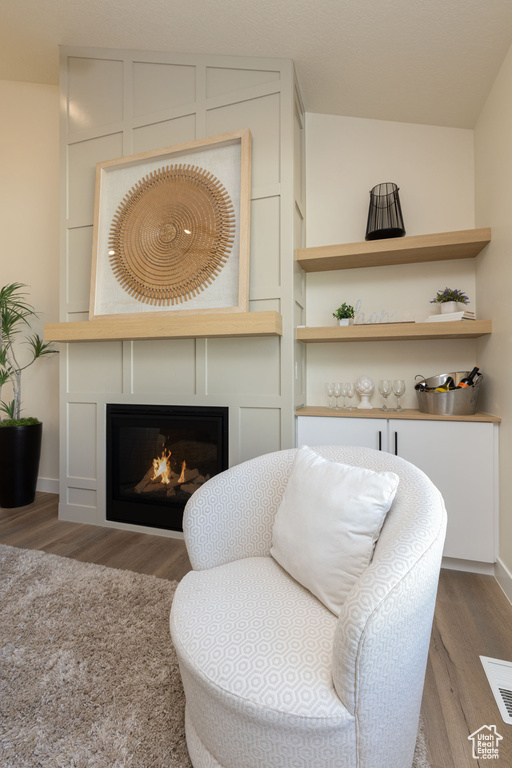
(172, 230)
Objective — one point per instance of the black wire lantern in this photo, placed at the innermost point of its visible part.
(385, 214)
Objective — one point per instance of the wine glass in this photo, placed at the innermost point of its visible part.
(344, 394)
(385, 389)
(398, 390)
(329, 388)
(337, 394)
(349, 392)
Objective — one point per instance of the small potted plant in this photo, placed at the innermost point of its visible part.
(344, 314)
(20, 438)
(449, 299)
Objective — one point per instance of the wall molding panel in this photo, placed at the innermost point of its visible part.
(119, 102)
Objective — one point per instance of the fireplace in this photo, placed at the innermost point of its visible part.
(158, 456)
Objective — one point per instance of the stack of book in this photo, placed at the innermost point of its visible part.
(464, 314)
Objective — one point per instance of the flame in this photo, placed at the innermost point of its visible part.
(182, 476)
(162, 468)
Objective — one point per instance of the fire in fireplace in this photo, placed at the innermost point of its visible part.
(158, 456)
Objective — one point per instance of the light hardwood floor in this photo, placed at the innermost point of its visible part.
(472, 618)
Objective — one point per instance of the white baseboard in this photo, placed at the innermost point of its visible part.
(504, 578)
(498, 569)
(471, 566)
(144, 529)
(47, 485)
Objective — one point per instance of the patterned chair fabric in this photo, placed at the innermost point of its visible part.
(272, 678)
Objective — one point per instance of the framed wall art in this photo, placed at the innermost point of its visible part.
(172, 229)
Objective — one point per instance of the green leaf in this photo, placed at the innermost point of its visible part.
(15, 315)
(40, 347)
(7, 408)
(14, 309)
(4, 377)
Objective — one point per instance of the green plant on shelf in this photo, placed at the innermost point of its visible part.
(450, 294)
(344, 311)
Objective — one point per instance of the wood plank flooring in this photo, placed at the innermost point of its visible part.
(37, 527)
(472, 618)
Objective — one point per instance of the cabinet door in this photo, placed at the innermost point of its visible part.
(326, 430)
(459, 458)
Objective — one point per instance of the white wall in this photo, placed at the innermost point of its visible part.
(493, 172)
(434, 169)
(29, 243)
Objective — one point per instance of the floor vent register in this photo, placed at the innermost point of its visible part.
(499, 675)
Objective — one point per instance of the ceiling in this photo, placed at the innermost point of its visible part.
(420, 61)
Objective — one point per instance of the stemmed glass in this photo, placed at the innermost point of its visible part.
(329, 388)
(338, 392)
(398, 390)
(385, 389)
(349, 392)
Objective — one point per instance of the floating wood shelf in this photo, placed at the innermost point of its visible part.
(147, 326)
(464, 244)
(376, 413)
(460, 329)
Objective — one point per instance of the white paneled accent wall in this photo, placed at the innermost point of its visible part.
(116, 103)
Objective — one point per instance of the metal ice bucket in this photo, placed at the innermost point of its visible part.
(458, 402)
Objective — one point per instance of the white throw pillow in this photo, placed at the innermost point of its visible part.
(328, 522)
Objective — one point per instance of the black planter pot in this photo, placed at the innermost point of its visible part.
(20, 449)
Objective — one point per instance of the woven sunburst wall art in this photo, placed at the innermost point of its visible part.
(171, 229)
(171, 235)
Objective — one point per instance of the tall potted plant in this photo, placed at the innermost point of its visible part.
(20, 438)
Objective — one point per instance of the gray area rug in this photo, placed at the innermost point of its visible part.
(88, 674)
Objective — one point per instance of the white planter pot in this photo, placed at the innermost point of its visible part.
(451, 306)
(346, 321)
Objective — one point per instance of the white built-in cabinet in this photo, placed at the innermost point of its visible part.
(323, 430)
(459, 454)
(460, 457)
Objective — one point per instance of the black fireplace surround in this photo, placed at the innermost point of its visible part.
(158, 456)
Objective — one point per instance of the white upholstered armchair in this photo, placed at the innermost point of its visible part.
(273, 679)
